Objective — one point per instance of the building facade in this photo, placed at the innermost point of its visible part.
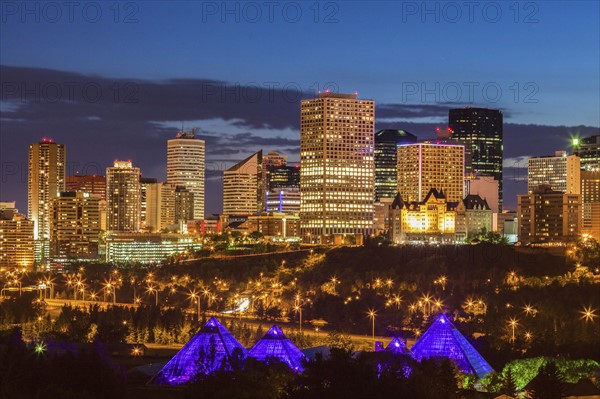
(243, 186)
(284, 200)
(386, 160)
(45, 180)
(561, 172)
(123, 197)
(337, 169)
(92, 184)
(590, 202)
(423, 166)
(481, 130)
(549, 217)
(74, 225)
(588, 150)
(186, 164)
(123, 248)
(275, 226)
(17, 245)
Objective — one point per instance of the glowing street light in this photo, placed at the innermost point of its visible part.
(195, 297)
(150, 290)
(372, 313)
(529, 310)
(298, 309)
(334, 282)
(588, 314)
(513, 323)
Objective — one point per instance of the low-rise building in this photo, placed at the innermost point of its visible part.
(146, 247)
(17, 245)
(275, 226)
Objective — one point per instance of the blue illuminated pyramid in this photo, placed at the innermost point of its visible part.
(205, 353)
(274, 344)
(397, 347)
(442, 339)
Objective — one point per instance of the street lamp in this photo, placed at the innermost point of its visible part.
(298, 309)
(152, 289)
(513, 323)
(588, 314)
(196, 297)
(372, 313)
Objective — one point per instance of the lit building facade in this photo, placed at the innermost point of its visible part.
(145, 182)
(74, 225)
(481, 131)
(17, 245)
(423, 166)
(285, 200)
(337, 169)
(590, 202)
(243, 186)
(92, 184)
(167, 207)
(275, 226)
(473, 215)
(561, 172)
(588, 150)
(186, 165)
(386, 160)
(45, 180)
(122, 248)
(123, 200)
(547, 216)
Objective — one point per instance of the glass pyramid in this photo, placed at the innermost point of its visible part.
(397, 347)
(203, 354)
(275, 344)
(442, 339)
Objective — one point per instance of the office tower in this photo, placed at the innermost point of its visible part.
(91, 184)
(274, 159)
(17, 246)
(588, 150)
(186, 166)
(423, 166)
(285, 200)
(184, 204)
(386, 165)
(282, 183)
(243, 186)
(337, 169)
(144, 183)
(166, 206)
(123, 197)
(45, 180)
(560, 172)
(548, 216)
(74, 225)
(480, 130)
(590, 201)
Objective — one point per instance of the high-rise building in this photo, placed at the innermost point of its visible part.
(423, 166)
(123, 197)
(590, 201)
(284, 200)
(46, 180)
(145, 182)
(74, 225)
(17, 246)
(243, 186)
(167, 207)
(561, 172)
(480, 130)
(337, 168)
(386, 160)
(186, 167)
(548, 216)
(92, 184)
(588, 150)
(184, 204)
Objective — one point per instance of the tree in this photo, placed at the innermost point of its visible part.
(509, 387)
(548, 384)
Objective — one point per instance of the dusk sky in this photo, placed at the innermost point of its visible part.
(116, 80)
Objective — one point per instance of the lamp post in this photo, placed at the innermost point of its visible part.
(513, 323)
(298, 309)
(588, 314)
(152, 289)
(372, 313)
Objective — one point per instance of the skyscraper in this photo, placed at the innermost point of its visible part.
(337, 169)
(16, 238)
(243, 187)
(590, 201)
(386, 165)
(588, 150)
(123, 197)
(91, 184)
(46, 180)
(75, 225)
(186, 166)
(480, 129)
(560, 172)
(423, 166)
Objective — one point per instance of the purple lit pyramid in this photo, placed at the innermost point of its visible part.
(397, 347)
(442, 339)
(274, 344)
(203, 354)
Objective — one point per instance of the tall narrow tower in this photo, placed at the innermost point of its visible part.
(123, 197)
(186, 166)
(337, 169)
(45, 181)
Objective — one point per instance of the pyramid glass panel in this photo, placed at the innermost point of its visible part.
(203, 354)
(274, 344)
(442, 339)
(398, 347)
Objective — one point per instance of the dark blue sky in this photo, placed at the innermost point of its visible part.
(237, 72)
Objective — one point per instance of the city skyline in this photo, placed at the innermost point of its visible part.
(144, 98)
